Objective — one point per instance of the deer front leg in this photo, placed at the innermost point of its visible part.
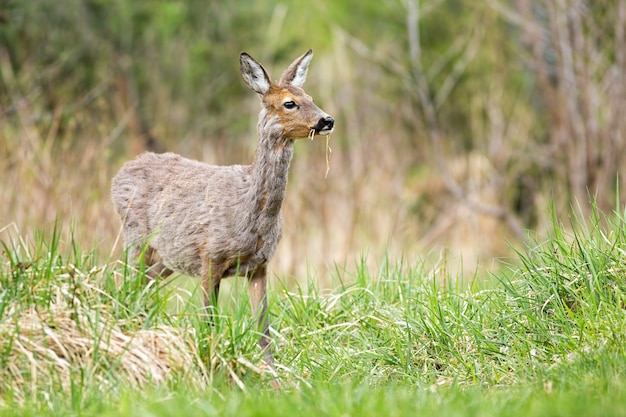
(211, 278)
(258, 298)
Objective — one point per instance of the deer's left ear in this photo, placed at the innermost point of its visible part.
(296, 73)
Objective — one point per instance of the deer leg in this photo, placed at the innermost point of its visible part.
(257, 288)
(211, 278)
(258, 298)
(154, 267)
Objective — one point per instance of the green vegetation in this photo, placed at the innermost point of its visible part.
(81, 337)
(460, 126)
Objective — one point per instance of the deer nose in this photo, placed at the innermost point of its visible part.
(325, 124)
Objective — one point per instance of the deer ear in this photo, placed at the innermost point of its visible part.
(296, 73)
(254, 75)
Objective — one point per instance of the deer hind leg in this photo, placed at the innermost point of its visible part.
(155, 268)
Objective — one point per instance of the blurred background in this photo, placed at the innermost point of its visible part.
(460, 125)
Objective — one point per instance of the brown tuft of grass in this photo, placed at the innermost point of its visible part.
(62, 331)
(49, 348)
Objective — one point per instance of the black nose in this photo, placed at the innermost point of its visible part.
(325, 123)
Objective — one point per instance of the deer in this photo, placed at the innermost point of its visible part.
(213, 221)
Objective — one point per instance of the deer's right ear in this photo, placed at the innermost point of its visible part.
(254, 75)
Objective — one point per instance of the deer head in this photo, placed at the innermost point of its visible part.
(286, 101)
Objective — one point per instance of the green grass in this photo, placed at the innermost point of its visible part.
(546, 337)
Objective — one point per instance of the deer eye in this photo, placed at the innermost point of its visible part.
(290, 104)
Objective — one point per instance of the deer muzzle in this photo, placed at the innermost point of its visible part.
(324, 125)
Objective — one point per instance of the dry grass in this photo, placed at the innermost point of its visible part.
(57, 168)
(51, 346)
(68, 333)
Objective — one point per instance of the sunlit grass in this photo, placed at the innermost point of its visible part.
(82, 335)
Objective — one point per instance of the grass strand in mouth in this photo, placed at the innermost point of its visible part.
(328, 152)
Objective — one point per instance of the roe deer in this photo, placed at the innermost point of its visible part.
(219, 221)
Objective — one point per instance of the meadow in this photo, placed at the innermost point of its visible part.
(544, 336)
(451, 262)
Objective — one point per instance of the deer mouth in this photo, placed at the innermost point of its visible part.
(324, 132)
(324, 126)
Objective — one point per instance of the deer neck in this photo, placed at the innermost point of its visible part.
(270, 168)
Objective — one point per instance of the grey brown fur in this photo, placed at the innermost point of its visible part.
(218, 221)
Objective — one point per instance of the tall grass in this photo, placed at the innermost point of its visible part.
(79, 334)
(67, 322)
